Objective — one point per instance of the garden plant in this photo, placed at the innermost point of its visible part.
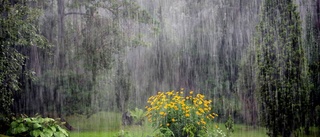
(37, 127)
(175, 113)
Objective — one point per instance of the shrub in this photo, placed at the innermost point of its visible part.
(37, 126)
(138, 116)
(181, 115)
(229, 126)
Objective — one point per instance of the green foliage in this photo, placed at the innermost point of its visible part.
(282, 77)
(312, 43)
(123, 133)
(216, 132)
(189, 129)
(103, 38)
(18, 28)
(165, 132)
(37, 126)
(229, 126)
(138, 116)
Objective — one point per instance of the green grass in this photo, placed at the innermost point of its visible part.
(102, 121)
(241, 130)
(92, 134)
(147, 130)
(108, 124)
(134, 131)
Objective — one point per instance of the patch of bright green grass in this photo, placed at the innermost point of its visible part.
(134, 131)
(92, 134)
(99, 122)
(241, 130)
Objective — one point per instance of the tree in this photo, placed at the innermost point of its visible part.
(283, 84)
(312, 43)
(102, 37)
(18, 29)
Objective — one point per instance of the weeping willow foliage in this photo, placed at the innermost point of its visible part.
(282, 78)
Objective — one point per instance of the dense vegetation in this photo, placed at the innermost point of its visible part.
(257, 60)
(283, 82)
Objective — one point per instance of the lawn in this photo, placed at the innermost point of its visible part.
(147, 130)
(108, 124)
(144, 131)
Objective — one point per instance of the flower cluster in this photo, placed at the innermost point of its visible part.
(182, 114)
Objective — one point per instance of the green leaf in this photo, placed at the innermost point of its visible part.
(59, 134)
(35, 133)
(20, 129)
(36, 126)
(14, 124)
(48, 132)
(27, 120)
(43, 135)
(53, 128)
(63, 131)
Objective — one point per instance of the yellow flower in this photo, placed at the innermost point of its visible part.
(200, 102)
(206, 109)
(175, 104)
(170, 93)
(173, 120)
(201, 110)
(176, 108)
(162, 113)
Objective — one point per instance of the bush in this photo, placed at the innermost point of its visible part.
(138, 116)
(37, 126)
(176, 115)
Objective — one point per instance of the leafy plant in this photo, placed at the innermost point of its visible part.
(183, 115)
(138, 116)
(165, 132)
(229, 126)
(216, 132)
(123, 133)
(37, 127)
(18, 30)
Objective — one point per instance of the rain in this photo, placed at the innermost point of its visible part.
(97, 67)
